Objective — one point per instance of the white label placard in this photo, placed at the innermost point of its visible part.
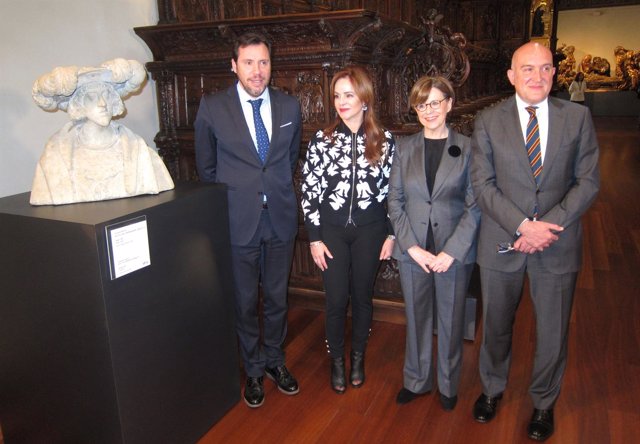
(128, 246)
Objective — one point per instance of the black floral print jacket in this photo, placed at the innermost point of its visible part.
(339, 185)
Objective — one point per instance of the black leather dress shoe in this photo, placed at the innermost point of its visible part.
(541, 425)
(485, 407)
(254, 392)
(405, 396)
(356, 377)
(447, 403)
(285, 381)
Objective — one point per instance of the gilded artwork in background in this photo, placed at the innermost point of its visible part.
(627, 67)
(595, 65)
(540, 21)
(566, 67)
(597, 70)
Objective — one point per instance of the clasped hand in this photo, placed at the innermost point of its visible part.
(536, 235)
(429, 262)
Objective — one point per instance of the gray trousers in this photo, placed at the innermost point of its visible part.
(552, 297)
(446, 293)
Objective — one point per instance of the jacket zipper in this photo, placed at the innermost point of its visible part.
(353, 176)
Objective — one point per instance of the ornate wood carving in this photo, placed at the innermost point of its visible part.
(189, 11)
(438, 52)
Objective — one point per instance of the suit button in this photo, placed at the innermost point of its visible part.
(264, 169)
(428, 202)
(435, 224)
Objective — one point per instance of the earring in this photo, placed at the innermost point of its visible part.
(365, 107)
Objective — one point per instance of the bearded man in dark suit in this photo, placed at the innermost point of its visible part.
(248, 137)
(534, 171)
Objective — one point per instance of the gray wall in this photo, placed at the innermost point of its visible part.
(38, 35)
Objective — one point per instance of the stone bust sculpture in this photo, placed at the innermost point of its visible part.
(93, 158)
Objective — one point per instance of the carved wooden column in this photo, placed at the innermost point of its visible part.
(166, 140)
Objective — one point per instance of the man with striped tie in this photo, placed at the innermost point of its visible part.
(534, 172)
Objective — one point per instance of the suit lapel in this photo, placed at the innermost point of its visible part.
(554, 138)
(446, 164)
(416, 162)
(237, 116)
(514, 136)
(276, 118)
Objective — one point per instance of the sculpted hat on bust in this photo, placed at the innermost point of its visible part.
(90, 75)
(54, 90)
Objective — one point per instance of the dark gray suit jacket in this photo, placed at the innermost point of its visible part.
(450, 207)
(506, 190)
(225, 153)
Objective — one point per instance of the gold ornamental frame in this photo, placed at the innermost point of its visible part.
(541, 21)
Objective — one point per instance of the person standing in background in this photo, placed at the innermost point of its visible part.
(577, 89)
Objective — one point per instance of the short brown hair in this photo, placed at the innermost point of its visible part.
(248, 39)
(422, 88)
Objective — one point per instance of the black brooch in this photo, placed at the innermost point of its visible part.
(454, 151)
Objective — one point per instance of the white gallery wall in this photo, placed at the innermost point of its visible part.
(598, 31)
(38, 35)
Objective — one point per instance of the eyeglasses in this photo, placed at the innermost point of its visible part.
(434, 104)
(504, 247)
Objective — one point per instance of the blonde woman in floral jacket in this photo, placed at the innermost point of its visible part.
(346, 180)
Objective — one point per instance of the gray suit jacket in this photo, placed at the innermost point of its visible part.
(506, 190)
(451, 207)
(225, 153)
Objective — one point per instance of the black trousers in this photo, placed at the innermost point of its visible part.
(351, 274)
(266, 259)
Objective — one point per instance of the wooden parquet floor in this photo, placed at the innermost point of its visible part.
(600, 400)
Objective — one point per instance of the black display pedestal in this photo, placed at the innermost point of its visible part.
(149, 357)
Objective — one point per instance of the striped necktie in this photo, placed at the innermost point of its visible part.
(532, 143)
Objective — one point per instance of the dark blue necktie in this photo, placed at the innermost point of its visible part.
(533, 144)
(261, 132)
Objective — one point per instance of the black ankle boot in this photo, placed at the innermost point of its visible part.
(338, 382)
(357, 369)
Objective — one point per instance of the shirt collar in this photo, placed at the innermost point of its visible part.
(540, 107)
(245, 96)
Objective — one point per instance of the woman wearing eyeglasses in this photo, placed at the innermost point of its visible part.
(435, 220)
